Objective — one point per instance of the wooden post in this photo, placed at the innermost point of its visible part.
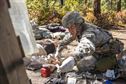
(12, 69)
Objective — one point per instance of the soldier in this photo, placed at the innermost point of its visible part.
(94, 44)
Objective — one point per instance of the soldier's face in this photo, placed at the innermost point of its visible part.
(73, 31)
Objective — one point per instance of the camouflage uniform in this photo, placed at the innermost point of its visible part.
(94, 42)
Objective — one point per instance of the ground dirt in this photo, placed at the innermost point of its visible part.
(36, 76)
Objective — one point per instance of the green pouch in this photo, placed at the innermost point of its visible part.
(105, 63)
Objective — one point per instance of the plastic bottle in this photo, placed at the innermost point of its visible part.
(107, 82)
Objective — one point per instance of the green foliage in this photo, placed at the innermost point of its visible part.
(42, 10)
(34, 7)
(48, 11)
(124, 4)
(69, 5)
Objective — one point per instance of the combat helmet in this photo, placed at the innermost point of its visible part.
(72, 18)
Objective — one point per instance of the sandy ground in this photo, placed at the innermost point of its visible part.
(36, 76)
(120, 34)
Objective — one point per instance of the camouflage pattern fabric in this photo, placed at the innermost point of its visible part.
(92, 40)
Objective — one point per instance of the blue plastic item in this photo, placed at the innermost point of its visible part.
(108, 82)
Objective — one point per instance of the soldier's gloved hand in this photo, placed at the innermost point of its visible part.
(67, 65)
(52, 60)
(58, 52)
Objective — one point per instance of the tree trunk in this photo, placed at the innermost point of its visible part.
(97, 8)
(85, 1)
(61, 2)
(118, 5)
